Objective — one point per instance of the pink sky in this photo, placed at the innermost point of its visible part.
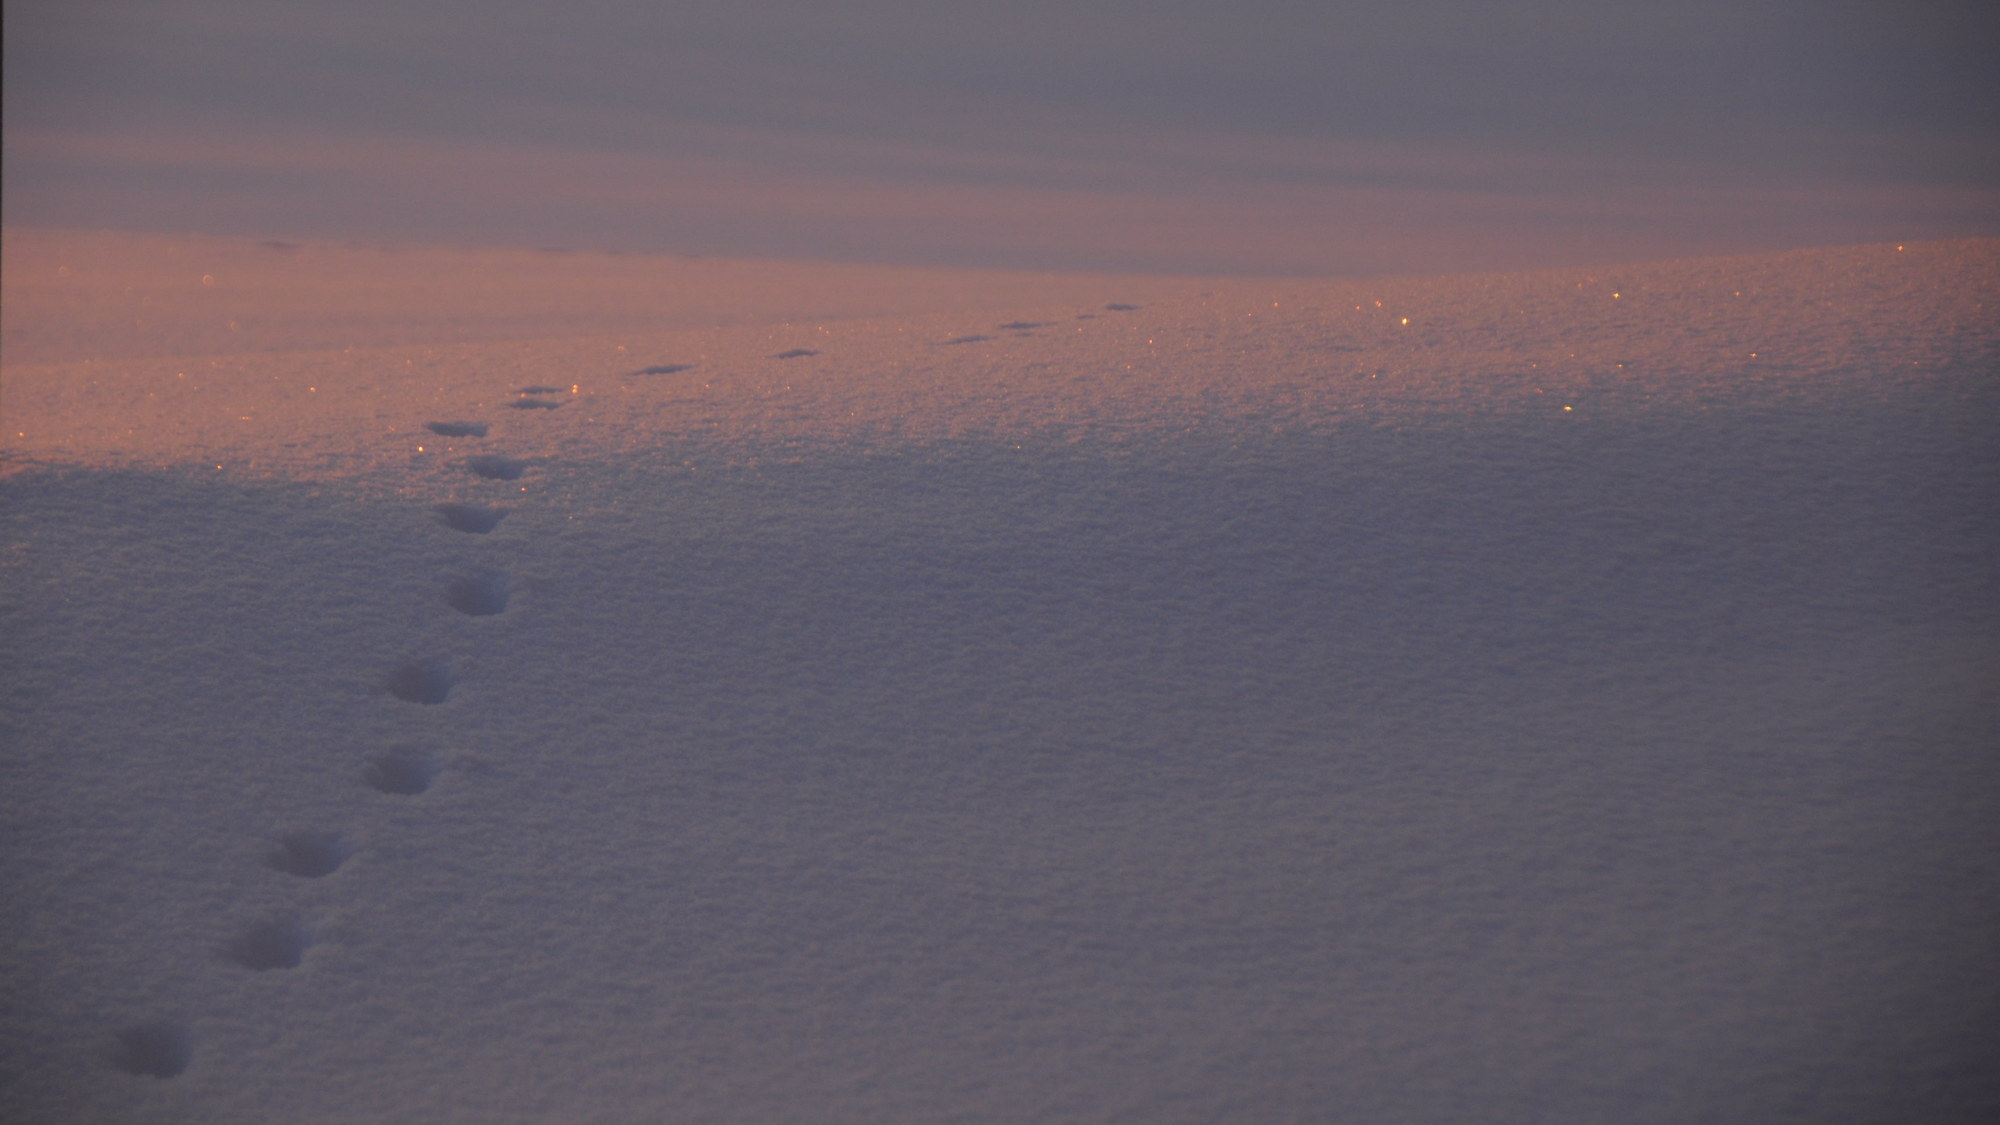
(1335, 140)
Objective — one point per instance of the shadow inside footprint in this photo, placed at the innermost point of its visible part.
(310, 855)
(492, 466)
(271, 945)
(539, 389)
(533, 404)
(457, 429)
(478, 595)
(403, 772)
(795, 353)
(155, 1050)
(471, 517)
(421, 681)
(663, 369)
(1022, 325)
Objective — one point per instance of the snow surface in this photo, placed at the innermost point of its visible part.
(1554, 697)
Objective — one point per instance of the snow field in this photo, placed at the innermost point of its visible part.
(1173, 713)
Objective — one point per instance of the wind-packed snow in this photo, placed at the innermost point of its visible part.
(912, 697)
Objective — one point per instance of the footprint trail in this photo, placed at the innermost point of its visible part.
(428, 682)
(401, 772)
(164, 1049)
(471, 518)
(481, 594)
(154, 1050)
(276, 944)
(457, 429)
(492, 466)
(310, 855)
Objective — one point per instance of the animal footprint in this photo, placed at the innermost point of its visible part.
(478, 595)
(967, 339)
(526, 402)
(155, 1050)
(421, 681)
(310, 855)
(457, 429)
(795, 353)
(402, 772)
(1022, 325)
(1122, 308)
(492, 466)
(471, 517)
(664, 369)
(277, 944)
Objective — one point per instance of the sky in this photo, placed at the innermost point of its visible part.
(1167, 136)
